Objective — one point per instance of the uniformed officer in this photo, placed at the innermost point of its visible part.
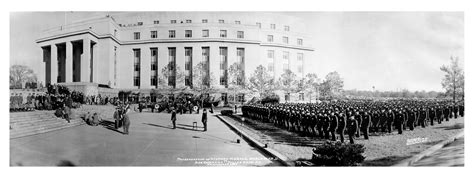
(126, 119)
(204, 119)
(390, 119)
(352, 128)
(173, 117)
(365, 124)
(341, 125)
(399, 117)
(333, 124)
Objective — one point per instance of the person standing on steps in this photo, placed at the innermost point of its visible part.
(204, 119)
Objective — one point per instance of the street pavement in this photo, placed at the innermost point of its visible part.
(151, 142)
(450, 155)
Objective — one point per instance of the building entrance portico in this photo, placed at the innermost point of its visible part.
(69, 61)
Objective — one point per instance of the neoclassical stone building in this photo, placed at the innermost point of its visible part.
(128, 51)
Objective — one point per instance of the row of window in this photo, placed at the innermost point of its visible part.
(284, 40)
(285, 61)
(187, 34)
(259, 25)
(205, 33)
(188, 65)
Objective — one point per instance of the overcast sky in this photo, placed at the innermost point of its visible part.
(388, 50)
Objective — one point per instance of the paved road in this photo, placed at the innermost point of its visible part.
(151, 142)
(450, 155)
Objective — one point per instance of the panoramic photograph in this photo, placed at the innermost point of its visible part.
(236, 88)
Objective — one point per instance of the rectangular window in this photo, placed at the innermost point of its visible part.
(299, 57)
(206, 61)
(240, 34)
(136, 67)
(285, 39)
(154, 66)
(272, 26)
(270, 38)
(300, 41)
(270, 54)
(271, 60)
(173, 21)
(204, 20)
(156, 22)
(241, 98)
(188, 21)
(259, 25)
(115, 65)
(188, 70)
(205, 33)
(223, 33)
(301, 96)
(223, 65)
(287, 28)
(237, 22)
(136, 35)
(172, 67)
(188, 33)
(154, 34)
(172, 34)
(221, 21)
(286, 60)
(241, 62)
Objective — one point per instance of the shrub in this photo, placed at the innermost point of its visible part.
(338, 154)
(271, 99)
(227, 112)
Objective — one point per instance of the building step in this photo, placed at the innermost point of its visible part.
(44, 129)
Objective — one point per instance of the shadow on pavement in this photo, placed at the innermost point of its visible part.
(109, 125)
(385, 161)
(452, 127)
(65, 163)
(158, 125)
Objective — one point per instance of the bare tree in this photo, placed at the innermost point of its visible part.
(312, 84)
(288, 82)
(332, 85)
(20, 74)
(170, 85)
(236, 80)
(203, 82)
(261, 82)
(453, 81)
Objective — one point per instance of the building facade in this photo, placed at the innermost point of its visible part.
(135, 51)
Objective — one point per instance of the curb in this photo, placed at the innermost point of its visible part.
(431, 150)
(281, 158)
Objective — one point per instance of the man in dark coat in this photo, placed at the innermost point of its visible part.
(126, 120)
(352, 127)
(173, 118)
(204, 119)
(341, 125)
(365, 124)
(333, 125)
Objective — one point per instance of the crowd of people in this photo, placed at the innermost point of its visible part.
(354, 117)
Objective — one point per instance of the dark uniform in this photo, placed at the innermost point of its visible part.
(365, 125)
(204, 119)
(341, 126)
(352, 128)
(333, 125)
(173, 118)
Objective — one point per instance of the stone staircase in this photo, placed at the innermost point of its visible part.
(36, 122)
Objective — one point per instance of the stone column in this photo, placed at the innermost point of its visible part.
(54, 64)
(86, 60)
(69, 61)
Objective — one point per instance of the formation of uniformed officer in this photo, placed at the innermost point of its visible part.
(325, 119)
